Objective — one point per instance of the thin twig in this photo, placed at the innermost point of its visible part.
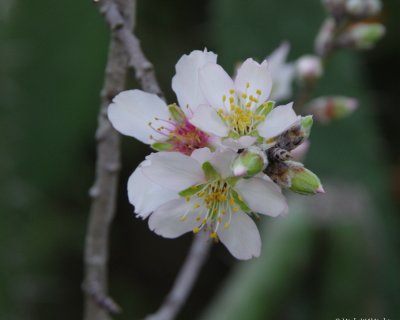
(124, 44)
(103, 192)
(144, 70)
(185, 280)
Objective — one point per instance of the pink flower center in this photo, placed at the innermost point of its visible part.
(186, 138)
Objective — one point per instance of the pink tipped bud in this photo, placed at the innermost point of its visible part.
(326, 109)
(308, 68)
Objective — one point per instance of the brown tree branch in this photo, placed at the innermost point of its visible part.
(144, 70)
(185, 280)
(103, 192)
(125, 51)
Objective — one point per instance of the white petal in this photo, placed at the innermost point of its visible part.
(208, 120)
(144, 194)
(277, 59)
(282, 73)
(131, 111)
(262, 196)
(215, 83)
(257, 77)
(282, 87)
(241, 238)
(173, 170)
(241, 143)
(277, 121)
(201, 155)
(185, 83)
(167, 220)
(222, 160)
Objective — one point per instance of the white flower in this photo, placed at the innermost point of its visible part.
(238, 111)
(199, 193)
(147, 118)
(282, 73)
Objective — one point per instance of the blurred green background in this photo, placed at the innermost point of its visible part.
(334, 255)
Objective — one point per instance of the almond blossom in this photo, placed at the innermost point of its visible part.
(147, 117)
(200, 193)
(238, 111)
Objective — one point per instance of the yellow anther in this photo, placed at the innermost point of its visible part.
(231, 201)
(244, 96)
(247, 85)
(231, 91)
(219, 219)
(201, 194)
(235, 209)
(258, 91)
(213, 235)
(270, 140)
(231, 100)
(198, 218)
(248, 104)
(187, 199)
(196, 205)
(226, 225)
(196, 230)
(204, 220)
(223, 98)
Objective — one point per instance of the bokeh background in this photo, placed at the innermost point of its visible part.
(334, 255)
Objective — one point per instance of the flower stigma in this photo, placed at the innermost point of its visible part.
(211, 203)
(180, 136)
(242, 112)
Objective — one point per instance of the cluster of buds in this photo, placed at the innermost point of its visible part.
(326, 109)
(283, 170)
(348, 27)
(358, 9)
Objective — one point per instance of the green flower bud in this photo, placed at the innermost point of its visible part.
(292, 175)
(302, 180)
(249, 163)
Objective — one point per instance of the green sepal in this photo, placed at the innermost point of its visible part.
(234, 135)
(242, 205)
(306, 125)
(162, 146)
(265, 108)
(191, 190)
(176, 113)
(209, 171)
(233, 180)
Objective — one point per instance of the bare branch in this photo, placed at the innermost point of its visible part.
(185, 280)
(103, 192)
(144, 70)
(125, 51)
